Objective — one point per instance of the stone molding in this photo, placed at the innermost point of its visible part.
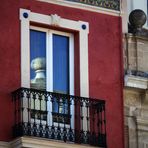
(142, 124)
(31, 142)
(131, 36)
(4, 144)
(135, 82)
(84, 7)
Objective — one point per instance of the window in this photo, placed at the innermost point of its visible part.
(52, 69)
(40, 49)
(27, 17)
(52, 60)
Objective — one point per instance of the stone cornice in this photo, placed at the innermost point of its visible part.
(108, 4)
(83, 7)
(135, 82)
(31, 142)
(142, 124)
(130, 36)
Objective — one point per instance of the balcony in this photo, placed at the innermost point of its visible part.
(108, 4)
(60, 117)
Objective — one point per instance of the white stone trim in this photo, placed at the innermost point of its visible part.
(83, 7)
(135, 82)
(142, 124)
(4, 144)
(30, 142)
(25, 50)
(83, 66)
(63, 23)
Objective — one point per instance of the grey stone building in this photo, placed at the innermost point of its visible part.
(135, 52)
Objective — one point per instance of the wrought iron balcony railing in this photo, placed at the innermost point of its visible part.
(59, 116)
(109, 4)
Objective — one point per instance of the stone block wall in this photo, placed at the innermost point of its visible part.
(135, 53)
(135, 50)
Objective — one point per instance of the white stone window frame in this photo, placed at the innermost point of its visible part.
(26, 16)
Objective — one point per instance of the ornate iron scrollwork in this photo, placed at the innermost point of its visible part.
(109, 4)
(34, 116)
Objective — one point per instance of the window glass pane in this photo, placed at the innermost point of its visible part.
(37, 72)
(37, 59)
(60, 76)
(60, 64)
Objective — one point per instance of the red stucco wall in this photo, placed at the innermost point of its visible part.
(105, 67)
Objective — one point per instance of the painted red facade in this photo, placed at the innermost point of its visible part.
(105, 62)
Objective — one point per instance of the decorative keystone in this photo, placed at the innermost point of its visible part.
(55, 19)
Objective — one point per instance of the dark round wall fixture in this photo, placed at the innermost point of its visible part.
(25, 14)
(137, 18)
(83, 26)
